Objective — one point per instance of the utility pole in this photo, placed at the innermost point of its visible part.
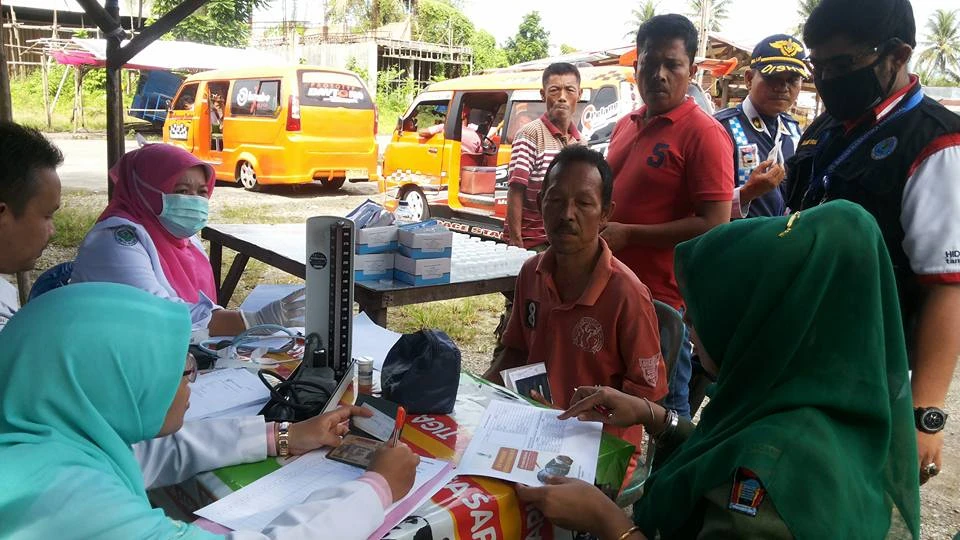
(705, 13)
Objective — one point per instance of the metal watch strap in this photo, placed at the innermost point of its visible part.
(283, 439)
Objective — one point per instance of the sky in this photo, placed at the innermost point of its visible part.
(749, 21)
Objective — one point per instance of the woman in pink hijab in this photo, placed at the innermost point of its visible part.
(147, 238)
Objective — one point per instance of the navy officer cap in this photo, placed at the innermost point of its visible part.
(780, 53)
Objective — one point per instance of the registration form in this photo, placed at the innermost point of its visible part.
(523, 443)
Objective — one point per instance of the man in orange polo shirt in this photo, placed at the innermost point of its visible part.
(576, 307)
(674, 176)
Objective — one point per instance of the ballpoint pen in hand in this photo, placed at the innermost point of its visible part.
(398, 426)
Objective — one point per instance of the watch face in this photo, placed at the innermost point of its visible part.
(933, 419)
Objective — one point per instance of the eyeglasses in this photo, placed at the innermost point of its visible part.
(191, 372)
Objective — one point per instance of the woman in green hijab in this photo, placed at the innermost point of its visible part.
(809, 431)
(87, 371)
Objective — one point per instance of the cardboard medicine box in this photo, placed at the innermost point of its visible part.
(377, 240)
(421, 271)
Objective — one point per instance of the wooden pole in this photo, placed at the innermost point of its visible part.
(45, 79)
(6, 115)
(6, 108)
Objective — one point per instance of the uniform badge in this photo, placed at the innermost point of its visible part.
(787, 47)
(884, 148)
(757, 123)
(748, 157)
(530, 313)
(125, 236)
(747, 492)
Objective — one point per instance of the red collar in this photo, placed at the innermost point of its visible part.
(555, 131)
(885, 107)
(598, 280)
(672, 115)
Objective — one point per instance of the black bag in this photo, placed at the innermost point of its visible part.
(302, 396)
(422, 373)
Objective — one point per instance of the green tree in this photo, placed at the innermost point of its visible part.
(532, 41)
(567, 49)
(364, 15)
(640, 14)
(719, 12)
(439, 21)
(941, 57)
(218, 22)
(486, 53)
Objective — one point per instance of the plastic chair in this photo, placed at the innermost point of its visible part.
(53, 278)
(670, 323)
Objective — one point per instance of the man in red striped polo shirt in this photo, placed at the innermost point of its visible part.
(534, 147)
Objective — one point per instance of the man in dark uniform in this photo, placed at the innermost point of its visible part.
(886, 146)
(764, 133)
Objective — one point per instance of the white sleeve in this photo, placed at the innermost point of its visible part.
(736, 210)
(9, 301)
(930, 213)
(199, 446)
(351, 511)
(102, 258)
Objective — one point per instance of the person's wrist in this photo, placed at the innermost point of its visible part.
(615, 524)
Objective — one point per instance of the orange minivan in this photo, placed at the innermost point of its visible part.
(277, 125)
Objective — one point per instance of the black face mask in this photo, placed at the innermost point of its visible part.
(850, 96)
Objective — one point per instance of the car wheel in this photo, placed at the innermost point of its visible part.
(333, 183)
(417, 202)
(247, 176)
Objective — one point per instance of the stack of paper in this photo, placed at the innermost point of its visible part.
(256, 505)
(226, 393)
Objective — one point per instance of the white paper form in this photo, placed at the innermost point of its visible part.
(516, 442)
(253, 507)
(224, 392)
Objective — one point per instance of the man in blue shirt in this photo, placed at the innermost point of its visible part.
(763, 132)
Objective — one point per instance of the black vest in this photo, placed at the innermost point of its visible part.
(873, 176)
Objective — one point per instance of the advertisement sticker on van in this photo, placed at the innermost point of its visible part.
(333, 89)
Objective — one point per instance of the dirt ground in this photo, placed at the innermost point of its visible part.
(940, 497)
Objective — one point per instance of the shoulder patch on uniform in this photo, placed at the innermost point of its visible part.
(726, 114)
(125, 235)
(747, 492)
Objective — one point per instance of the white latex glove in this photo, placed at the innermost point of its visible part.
(287, 311)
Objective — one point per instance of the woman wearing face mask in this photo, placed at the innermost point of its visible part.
(146, 238)
(809, 432)
(110, 427)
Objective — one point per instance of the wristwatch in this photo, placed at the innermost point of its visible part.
(929, 419)
(283, 439)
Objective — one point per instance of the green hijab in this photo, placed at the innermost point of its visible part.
(812, 394)
(86, 371)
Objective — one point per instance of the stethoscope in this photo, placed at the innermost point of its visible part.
(246, 343)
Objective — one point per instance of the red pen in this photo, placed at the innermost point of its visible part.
(398, 426)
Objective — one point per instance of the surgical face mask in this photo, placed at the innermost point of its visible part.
(849, 96)
(182, 215)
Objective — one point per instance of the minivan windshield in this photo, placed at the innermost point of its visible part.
(331, 89)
